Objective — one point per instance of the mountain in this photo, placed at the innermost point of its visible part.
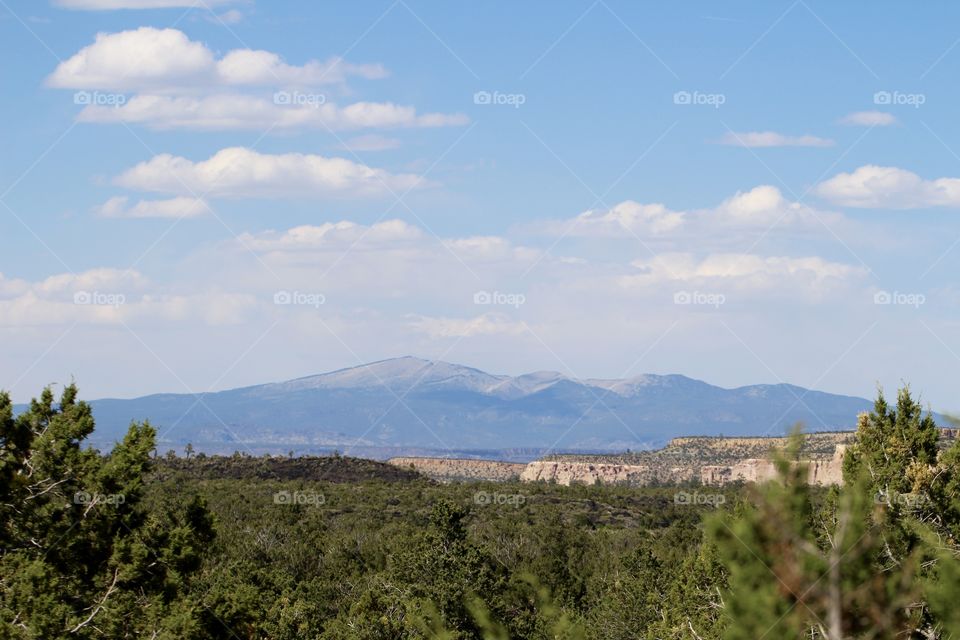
(414, 405)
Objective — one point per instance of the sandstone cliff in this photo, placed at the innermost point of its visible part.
(710, 460)
(819, 472)
(567, 473)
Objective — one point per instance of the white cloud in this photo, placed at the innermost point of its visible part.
(772, 139)
(102, 279)
(761, 202)
(393, 258)
(179, 207)
(393, 287)
(179, 83)
(490, 249)
(333, 236)
(627, 218)
(761, 207)
(238, 111)
(154, 59)
(869, 119)
(128, 60)
(238, 172)
(624, 220)
(889, 188)
(810, 275)
(103, 5)
(108, 296)
(249, 67)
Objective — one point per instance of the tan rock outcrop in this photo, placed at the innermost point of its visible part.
(819, 472)
(567, 473)
(731, 457)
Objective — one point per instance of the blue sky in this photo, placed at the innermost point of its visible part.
(205, 195)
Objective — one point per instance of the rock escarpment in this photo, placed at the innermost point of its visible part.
(567, 473)
(819, 472)
(710, 461)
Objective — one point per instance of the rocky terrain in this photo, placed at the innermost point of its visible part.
(712, 461)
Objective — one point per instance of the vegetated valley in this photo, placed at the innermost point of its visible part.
(136, 544)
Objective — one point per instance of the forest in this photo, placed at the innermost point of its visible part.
(137, 544)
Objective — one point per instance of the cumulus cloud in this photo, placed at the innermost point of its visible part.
(807, 275)
(237, 172)
(889, 188)
(179, 83)
(238, 111)
(102, 279)
(108, 296)
(869, 119)
(179, 207)
(490, 248)
(333, 235)
(772, 139)
(760, 207)
(393, 286)
(626, 218)
(763, 206)
(444, 270)
(153, 59)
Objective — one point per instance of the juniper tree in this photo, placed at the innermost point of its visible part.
(876, 559)
(80, 554)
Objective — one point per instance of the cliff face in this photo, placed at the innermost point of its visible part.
(567, 473)
(684, 463)
(819, 472)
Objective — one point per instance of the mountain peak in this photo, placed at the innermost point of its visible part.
(416, 402)
(400, 375)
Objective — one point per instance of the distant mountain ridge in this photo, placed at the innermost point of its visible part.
(410, 403)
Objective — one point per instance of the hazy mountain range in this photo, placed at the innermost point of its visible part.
(414, 405)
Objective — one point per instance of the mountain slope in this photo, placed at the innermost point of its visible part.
(414, 403)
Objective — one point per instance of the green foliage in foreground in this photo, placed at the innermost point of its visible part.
(128, 545)
(80, 555)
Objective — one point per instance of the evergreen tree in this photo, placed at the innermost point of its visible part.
(80, 554)
(785, 585)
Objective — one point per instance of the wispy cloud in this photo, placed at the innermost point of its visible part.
(869, 119)
(772, 139)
